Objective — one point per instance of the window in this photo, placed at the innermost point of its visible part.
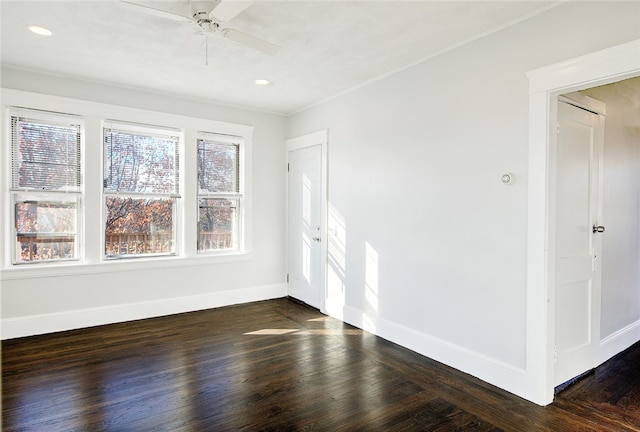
(219, 192)
(86, 184)
(46, 185)
(141, 189)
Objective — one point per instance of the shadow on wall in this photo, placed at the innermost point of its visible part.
(371, 273)
(337, 263)
(337, 270)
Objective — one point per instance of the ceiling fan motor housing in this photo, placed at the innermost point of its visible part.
(200, 10)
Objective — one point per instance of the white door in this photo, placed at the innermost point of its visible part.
(305, 225)
(577, 276)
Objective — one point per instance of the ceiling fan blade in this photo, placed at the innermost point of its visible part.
(227, 9)
(153, 11)
(251, 41)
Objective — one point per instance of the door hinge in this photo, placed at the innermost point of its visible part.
(287, 277)
(287, 167)
(555, 353)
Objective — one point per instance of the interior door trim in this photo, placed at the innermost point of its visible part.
(545, 84)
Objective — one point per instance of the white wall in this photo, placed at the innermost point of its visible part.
(621, 205)
(35, 304)
(414, 171)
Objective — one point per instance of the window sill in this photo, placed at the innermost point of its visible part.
(32, 271)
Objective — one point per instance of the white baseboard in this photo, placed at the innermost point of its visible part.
(69, 320)
(619, 341)
(504, 375)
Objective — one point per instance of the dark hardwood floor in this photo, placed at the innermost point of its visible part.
(277, 366)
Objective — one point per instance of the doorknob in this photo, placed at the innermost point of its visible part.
(598, 229)
(316, 239)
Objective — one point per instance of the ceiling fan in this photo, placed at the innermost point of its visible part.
(209, 16)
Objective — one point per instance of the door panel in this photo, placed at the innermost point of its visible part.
(576, 279)
(574, 300)
(575, 149)
(304, 230)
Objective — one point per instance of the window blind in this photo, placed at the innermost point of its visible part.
(218, 163)
(45, 151)
(140, 162)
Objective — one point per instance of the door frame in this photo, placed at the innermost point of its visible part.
(545, 85)
(320, 138)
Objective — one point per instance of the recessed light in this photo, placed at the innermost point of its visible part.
(40, 30)
(262, 82)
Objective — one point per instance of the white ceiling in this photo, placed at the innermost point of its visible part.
(328, 47)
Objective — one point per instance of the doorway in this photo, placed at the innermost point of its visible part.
(306, 219)
(545, 84)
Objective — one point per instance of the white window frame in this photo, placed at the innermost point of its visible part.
(237, 195)
(92, 221)
(144, 129)
(16, 192)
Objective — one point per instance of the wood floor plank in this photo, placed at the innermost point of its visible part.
(277, 366)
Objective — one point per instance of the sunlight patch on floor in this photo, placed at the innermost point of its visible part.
(272, 332)
(305, 332)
